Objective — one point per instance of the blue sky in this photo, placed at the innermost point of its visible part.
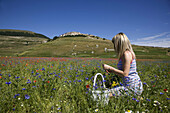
(145, 22)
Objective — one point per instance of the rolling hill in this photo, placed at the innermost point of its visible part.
(71, 46)
(14, 42)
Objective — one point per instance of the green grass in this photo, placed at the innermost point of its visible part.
(16, 45)
(59, 85)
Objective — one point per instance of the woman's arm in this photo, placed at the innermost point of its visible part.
(126, 59)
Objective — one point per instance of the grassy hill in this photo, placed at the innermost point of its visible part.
(74, 46)
(15, 42)
(90, 47)
(12, 32)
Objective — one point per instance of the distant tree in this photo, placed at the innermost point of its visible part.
(56, 37)
(104, 38)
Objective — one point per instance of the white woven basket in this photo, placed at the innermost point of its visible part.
(101, 96)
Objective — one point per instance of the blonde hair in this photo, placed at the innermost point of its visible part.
(122, 44)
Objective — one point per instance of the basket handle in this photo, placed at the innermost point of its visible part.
(95, 77)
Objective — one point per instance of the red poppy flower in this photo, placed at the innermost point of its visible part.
(35, 81)
(87, 86)
(48, 81)
(0, 77)
(153, 86)
(165, 90)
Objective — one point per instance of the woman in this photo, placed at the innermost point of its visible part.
(126, 67)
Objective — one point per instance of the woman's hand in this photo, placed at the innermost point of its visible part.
(106, 67)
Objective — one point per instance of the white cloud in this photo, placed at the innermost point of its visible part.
(160, 40)
(153, 37)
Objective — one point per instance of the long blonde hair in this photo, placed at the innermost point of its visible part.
(122, 44)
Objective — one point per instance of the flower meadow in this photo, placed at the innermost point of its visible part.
(63, 85)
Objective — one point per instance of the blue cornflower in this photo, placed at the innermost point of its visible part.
(52, 107)
(23, 88)
(104, 80)
(133, 98)
(96, 88)
(144, 83)
(148, 99)
(87, 78)
(43, 69)
(28, 82)
(16, 77)
(8, 83)
(79, 80)
(16, 95)
(161, 93)
(137, 100)
(27, 97)
(9, 75)
(121, 84)
(33, 86)
(54, 88)
(168, 98)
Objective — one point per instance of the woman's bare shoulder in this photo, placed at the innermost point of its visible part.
(127, 55)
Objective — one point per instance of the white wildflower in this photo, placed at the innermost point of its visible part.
(128, 111)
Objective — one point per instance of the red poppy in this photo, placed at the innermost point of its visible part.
(35, 81)
(165, 90)
(48, 81)
(88, 86)
(0, 77)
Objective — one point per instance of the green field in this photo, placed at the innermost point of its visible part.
(45, 85)
(30, 44)
(71, 47)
